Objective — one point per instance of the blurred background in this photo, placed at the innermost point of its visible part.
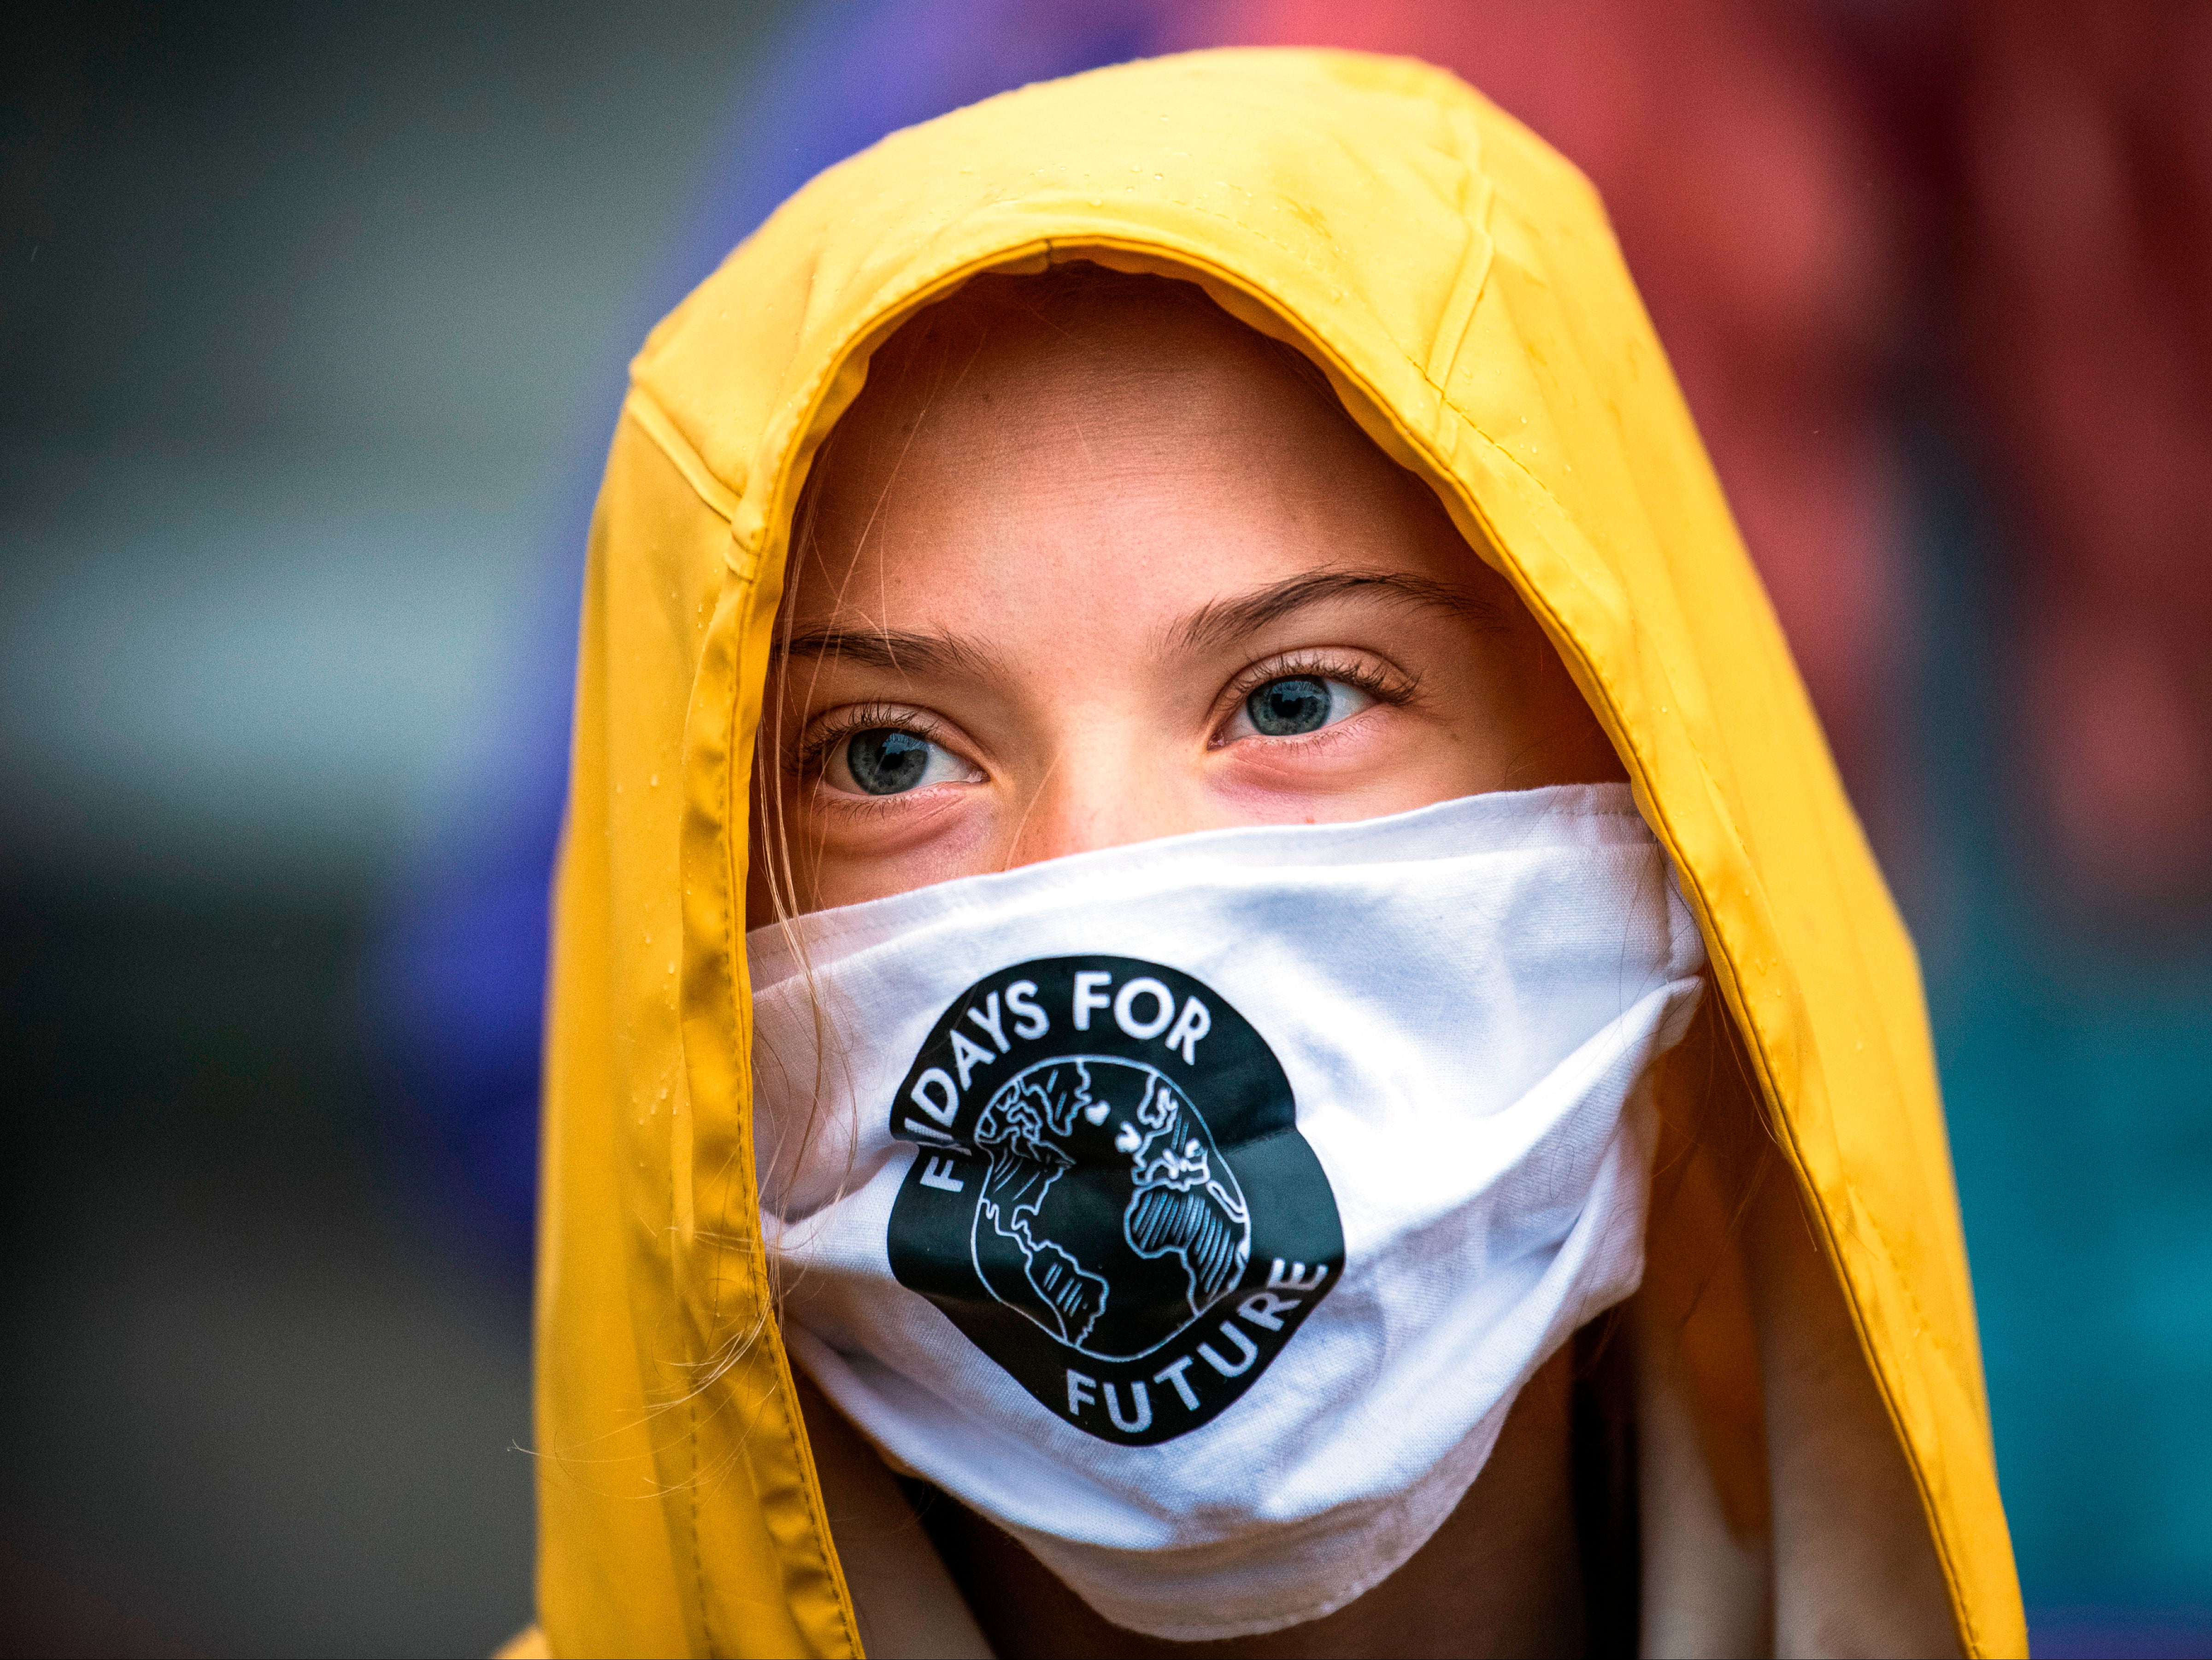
(312, 324)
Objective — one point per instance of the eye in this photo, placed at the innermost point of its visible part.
(1300, 704)
(890, 761)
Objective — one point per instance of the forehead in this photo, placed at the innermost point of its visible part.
(1100, 432)
(1099, 370)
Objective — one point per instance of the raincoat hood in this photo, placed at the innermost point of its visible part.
(1458, 282)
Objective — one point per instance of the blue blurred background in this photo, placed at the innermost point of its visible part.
(313, 323)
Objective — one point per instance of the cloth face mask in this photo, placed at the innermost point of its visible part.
(1195, 1209)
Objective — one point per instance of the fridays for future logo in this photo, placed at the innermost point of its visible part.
(1110, 1196)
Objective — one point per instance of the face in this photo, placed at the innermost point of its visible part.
(1070, 580)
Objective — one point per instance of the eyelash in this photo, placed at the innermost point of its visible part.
(863, 717)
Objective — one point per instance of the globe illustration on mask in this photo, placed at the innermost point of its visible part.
(1106, 1214)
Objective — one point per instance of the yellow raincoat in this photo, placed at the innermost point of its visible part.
(1458, 282)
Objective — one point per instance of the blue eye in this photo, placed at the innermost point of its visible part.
(887, 760)
(884, 761)
(1285, 707)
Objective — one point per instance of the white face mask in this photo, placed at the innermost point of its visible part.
(1195, 1210)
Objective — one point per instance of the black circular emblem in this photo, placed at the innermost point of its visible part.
(1111, 1197)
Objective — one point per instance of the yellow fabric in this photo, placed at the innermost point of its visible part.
(1459, 284)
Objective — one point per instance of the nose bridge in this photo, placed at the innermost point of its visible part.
(1094, 794)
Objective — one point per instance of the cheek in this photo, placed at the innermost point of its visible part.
(846, 857)
(1382, 760)
(1548, 734)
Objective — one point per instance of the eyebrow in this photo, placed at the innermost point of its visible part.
(888, 648)
(1219, 622)
(1223, 622)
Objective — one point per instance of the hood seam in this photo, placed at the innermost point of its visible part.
(659, 426)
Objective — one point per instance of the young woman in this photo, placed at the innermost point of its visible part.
(1196, 876)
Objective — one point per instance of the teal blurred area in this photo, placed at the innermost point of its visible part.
(2076, 1055)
